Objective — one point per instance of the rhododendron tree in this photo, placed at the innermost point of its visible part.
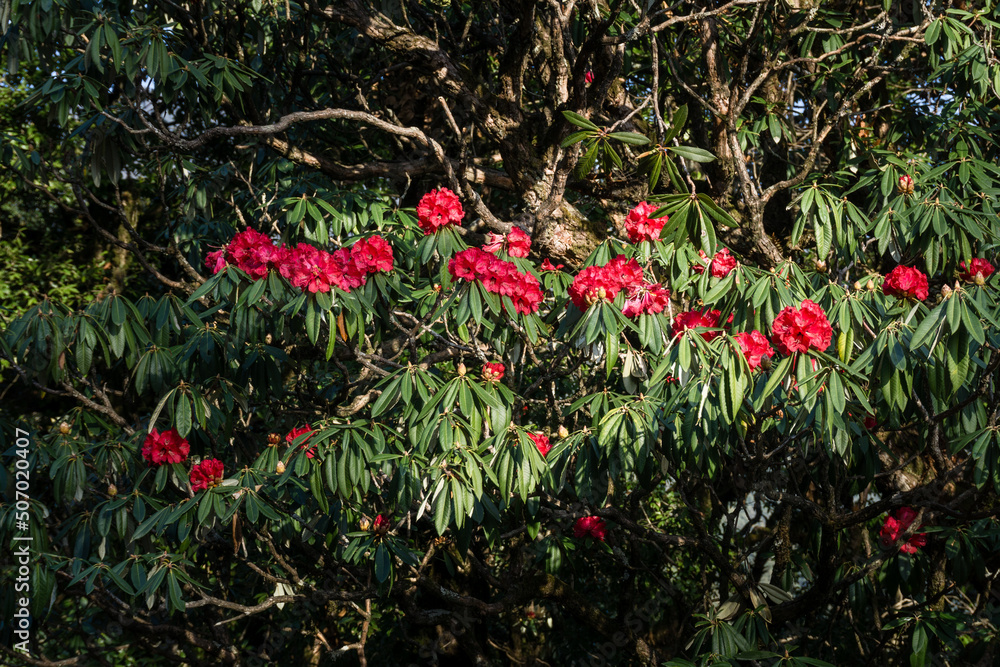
(673, 329)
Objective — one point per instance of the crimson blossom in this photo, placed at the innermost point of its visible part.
(517, 243)
(976, 266)
(205, 475)
(691, 319)
(801, 329)
(590, 526)
(906, 283)
(167, 447)
(895, 526)
(720, 265)
(645, 299)
(498, 276)
(542, 442)
(438, 209)
(493, 372)
(754, 346)
(640, 227)
(302, 430)
(596, 283)
(372, 254)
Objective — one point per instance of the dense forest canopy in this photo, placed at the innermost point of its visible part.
(521, 332)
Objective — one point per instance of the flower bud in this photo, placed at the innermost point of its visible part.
(112, 490)
(273, 439)
(857, 285)
(64, 428)
(365, 524)
(821, 266)
(946, 292)
(461, 369)
(871, 284)
(905, 184)
(280, 468)
(268, 338)
(563, 432)
(979, 279)
(765, 362)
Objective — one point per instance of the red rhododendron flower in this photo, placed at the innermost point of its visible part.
(380, 525)
(591, 285)
(870, 422)
(547, 266)
(542, 442)
(494, 242)
(647, 299)
(895, 526)
(692, 319)
(205, 475)
(590, 526)
(351, 274)
(437, 209)
(518, 243)
(755, 346)
(626, 272)
(905, 184)
(976, 266)
(302, 430)
(167, 447)
(493, 372)
(216, 261)
(372, 255)
(595, 283)
(802, 329)
(589, 76)
(723, 263)
(906, 283)
(640, 227)
(498, 276)
(253, 252)
(703, 263)
(312, 269)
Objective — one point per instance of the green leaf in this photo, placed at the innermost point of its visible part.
(579, 120)
(632, 138)
(693, 154)
(383, 563)
(576, 137)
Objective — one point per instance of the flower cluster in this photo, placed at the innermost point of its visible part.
(693, 318)
(437, 209)
(755, 347)
(977, 267)
(596, 283)
(162, 448)
(302, 430)
(549, 266)
(895, 526)
(906, 283)
(720, 266)
(542, 442)
(645, 299)
(802, 329)
(590, 526)
(206, 475)
(517, 243)
(498, 276)
(640, 227)
(493, 372)
(305, 266)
